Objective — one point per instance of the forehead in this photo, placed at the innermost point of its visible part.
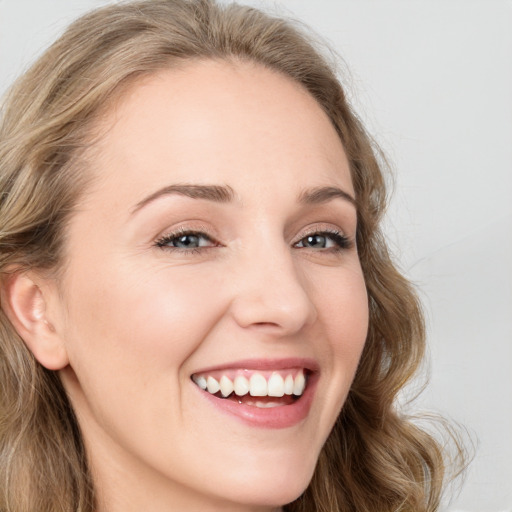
(223, 122)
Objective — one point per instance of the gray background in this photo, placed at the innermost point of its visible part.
(432, 79)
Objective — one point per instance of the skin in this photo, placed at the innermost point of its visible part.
(135, 320)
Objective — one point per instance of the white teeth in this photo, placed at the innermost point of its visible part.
(241, 385)
(275, 385)
(258, 385)
(212, 385)
(299, 384)
(265, 405)
(226, 386)
(200, 381)
(288, 385)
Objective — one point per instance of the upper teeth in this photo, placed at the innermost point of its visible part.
(256, 385)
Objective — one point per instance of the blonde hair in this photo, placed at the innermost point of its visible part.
(375, 459)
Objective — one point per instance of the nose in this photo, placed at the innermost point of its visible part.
(271, 292)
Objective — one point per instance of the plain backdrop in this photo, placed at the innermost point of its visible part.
(432, 80)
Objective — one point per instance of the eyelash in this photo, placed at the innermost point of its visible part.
(163, 242)
(341, 241)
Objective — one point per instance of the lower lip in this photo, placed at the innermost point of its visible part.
(273, 417)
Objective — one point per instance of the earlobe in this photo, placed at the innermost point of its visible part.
(24, 300)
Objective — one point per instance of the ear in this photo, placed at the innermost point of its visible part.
(24, 300)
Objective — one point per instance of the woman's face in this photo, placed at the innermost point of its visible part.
(215, 248)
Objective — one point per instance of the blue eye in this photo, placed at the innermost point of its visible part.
(189, 241)
(324, 240)
(185, 241)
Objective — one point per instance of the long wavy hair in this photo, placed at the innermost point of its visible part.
(376, 459)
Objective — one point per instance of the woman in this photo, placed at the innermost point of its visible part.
(198, 309)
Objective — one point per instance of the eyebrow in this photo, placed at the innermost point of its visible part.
(321, 195)
(225, 194)
(216, 193)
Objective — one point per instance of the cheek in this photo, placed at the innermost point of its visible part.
(135, 324)
(343, 314)
(129, 333)
(343, 311)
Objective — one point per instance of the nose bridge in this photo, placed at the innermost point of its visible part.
(271, 290)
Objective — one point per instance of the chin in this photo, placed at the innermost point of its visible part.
(273, 486)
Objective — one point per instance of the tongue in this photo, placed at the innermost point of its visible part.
(262, 401)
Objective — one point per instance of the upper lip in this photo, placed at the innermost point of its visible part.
(265, 364)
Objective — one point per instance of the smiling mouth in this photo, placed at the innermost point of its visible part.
(262, 389)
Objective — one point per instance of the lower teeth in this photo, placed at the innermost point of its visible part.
(266, 402)
(263, 405)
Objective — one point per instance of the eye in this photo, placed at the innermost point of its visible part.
(324, 240)
(185, 240)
